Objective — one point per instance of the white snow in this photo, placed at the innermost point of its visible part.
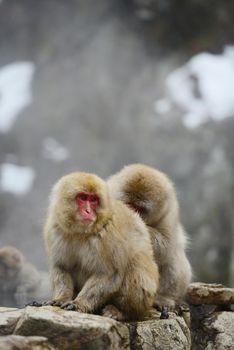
(15, 91)
(53, 150)
(203, 88)
(16, 179)
(162, 106)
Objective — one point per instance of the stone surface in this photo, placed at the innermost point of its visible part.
(17, 342)
(73, 330)
(214, 332)
(169, 334)
(221, 326)
(204, 293)
(52, 328)
(8, 319)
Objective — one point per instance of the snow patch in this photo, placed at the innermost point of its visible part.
(15, 91)
(203, 88)
(16, 179)
(53, 150)
(162, 106)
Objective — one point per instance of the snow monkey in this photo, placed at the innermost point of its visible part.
(150, 193)
(99, 251)
(20, 281)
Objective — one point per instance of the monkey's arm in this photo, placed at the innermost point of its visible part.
(62, 286)
(97, 291)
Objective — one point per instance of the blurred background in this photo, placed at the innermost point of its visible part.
(95, 85)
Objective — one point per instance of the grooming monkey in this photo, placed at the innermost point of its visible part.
(20, 281)
(150, 193)
(99, 251)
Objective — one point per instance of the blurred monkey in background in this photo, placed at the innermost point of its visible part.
(20, 281)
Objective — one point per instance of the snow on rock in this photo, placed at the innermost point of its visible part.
(16, 179)
(53, 150)
(203, 88)
(15, 91)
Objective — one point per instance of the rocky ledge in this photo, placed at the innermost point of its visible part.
(212, 316)
(211, 327)
(52, 328)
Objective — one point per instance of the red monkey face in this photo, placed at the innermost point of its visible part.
(87, 205)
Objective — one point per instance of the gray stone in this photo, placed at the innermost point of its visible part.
(204, 293)
(51, 327)
(13, 342)
(73, 330)
(8, 319)
(221, 328)
(170, 334)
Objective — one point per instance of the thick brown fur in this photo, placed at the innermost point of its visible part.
(153, 191)
(109, 261)
(19, 279)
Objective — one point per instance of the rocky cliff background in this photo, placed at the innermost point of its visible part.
(90, 87)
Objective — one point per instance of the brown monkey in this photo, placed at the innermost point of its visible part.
(99, 251)
(20, 281)
(150, 193)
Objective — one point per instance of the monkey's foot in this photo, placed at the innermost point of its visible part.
(53, 303)
(164, 314)
(112, 312)
(69, 306)
(34, 303)
(165, 303)
(73, 306)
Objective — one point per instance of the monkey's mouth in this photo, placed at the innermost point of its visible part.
(87, 221)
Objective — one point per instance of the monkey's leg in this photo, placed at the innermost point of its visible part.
(62, 286)
(174, 281)
(138, 292)
(95, 293)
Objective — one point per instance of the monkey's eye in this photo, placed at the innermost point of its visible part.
(93, 199)
(82, 196)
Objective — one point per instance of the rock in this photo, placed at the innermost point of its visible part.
(8, 319)
(221, 327)
(211, 325)
(73, 330)
(13, 342)
(170, 334)
(214, 332)
(53, 328)
(203, 293)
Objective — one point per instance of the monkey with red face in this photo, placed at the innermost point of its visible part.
(99, 251)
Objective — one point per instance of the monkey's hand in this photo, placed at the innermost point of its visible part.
(74, 306)
(55, 302)
(34, 303)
